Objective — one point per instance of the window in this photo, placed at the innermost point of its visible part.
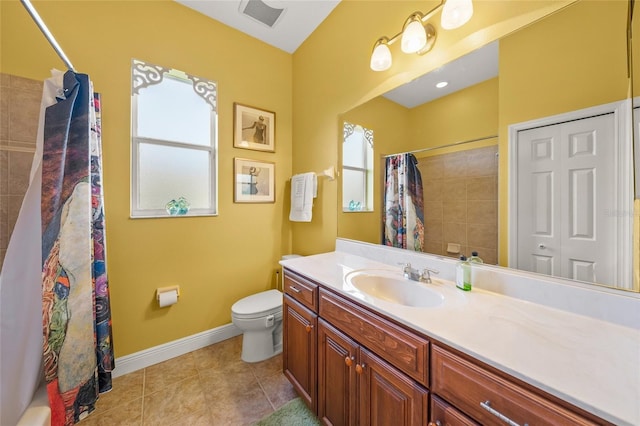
(173, 143)
(357, 168)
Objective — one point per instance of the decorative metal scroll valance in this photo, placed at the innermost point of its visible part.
(145, 74)
(349, 128)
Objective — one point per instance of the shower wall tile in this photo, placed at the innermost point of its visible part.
(431, 168)
(14, 204)
(482, 235)
(4, 221)
(433, 211)
(455, 165)
(482, 188)
(455, 233)
(4, 113)
(454, 190)
(432, 189)
(28, 84)
(19, 170)
(482, 211)
(455, 211)
(19, 112)
(24, 110)
(433, 231)
(482, 161)
(4, 172)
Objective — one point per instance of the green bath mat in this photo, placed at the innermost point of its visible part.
(293, 413)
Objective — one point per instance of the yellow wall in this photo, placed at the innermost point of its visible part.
(332, 76)
(215, 260)
(390, 123)
(593, 65)
(398, 129)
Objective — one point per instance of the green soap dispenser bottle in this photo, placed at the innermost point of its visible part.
(475, 258)
(463, 274)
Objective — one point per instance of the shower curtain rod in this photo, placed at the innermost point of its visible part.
(50, 38)
(442, 146)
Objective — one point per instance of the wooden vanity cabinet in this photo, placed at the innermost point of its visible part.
(445, 414)
(356, 386)
(300, 337)
(493, 399)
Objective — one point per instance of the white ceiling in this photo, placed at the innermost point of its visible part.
(301, 17)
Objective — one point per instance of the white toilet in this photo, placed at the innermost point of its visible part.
(259, 316)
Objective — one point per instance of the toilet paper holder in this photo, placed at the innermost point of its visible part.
(160, 290)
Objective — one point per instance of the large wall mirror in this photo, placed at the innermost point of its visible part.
(571, 60)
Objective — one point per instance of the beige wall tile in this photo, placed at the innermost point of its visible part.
(482, 162)
(482, 188)
(482, 235)
(4, 113)
(455, 165)
(4, 221)
(431, 168)
(455, 211)
(5, 79)
(14, 204)
(28, 84)
(454, 190)
(434, 247)
(19, 170)
(433, 211)
(463, 251)
(23, 115)
(432, 189)
(4, 172)
(454, 233)
(482, 212)
(2, 254)
(433, 231)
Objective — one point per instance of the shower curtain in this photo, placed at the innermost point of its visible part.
(77, 347)
(403, 222)
(54, 297)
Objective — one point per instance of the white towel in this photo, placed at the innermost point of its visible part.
(304, 188)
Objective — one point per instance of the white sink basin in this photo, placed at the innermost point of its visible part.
(391, 286)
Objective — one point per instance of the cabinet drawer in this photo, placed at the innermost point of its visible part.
(404, 350)
(445, 414)
(302, 290)
(485, 396)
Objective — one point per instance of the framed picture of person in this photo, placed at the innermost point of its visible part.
(254, 181)
(254, 128)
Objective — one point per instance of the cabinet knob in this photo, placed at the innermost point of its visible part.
(308, 327)
(348, 360)
(360, 368)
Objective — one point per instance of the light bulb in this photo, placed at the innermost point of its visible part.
(456, 13)
(381, 57)
(414, 37)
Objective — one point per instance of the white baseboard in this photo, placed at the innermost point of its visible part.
(166, 351)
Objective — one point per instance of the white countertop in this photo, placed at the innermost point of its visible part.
(591, 363)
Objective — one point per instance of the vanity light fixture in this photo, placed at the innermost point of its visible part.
(417, 35)
(442, 84)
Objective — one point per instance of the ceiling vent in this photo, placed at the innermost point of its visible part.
(261, 12)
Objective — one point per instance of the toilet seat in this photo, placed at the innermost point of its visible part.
(258, 305)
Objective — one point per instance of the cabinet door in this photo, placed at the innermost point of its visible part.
(299, 350)
(336, 376)
(388, 397)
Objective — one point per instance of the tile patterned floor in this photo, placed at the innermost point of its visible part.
(208, 387)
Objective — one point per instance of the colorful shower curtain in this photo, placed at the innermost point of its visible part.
(77, 347)
(403, 222)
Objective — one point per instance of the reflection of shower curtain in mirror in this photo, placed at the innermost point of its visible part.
(78, 352)
(403, 221)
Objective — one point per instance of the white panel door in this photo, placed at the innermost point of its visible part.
(566, 192)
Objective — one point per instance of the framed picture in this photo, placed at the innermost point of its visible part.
(254, 128)
(254, 181)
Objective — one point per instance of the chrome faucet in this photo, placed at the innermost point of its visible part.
(416, 274)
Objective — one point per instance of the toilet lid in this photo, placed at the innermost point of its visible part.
(258, 303)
